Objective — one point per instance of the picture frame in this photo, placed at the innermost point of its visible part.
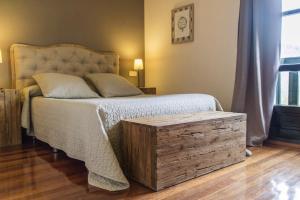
(183, 24)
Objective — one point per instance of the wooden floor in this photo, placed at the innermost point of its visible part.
(36, 173)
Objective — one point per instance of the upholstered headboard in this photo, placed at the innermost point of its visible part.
(28, 60)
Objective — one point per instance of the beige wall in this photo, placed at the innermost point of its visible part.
(111, 25)
(208, 64)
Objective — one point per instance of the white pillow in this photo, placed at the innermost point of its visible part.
(112, 85)
(63, 86)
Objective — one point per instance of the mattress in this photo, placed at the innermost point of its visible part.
(89, 129)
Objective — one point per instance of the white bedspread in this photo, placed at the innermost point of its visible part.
(89, 130)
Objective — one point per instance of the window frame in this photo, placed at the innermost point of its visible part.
(291, 65)
(287, 66)
(291, 12)
(285, 118)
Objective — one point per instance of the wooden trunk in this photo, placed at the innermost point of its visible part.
(10, 125)
(163, 151)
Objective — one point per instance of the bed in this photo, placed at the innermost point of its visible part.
(88, 129)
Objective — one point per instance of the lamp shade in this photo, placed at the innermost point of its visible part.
(138, 64)
(0, 56)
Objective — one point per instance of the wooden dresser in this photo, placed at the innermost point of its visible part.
(10, 120)
(163, 151)
(148, 90)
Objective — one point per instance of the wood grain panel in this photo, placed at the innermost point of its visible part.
(138, 146)
(11, 120)
(3, 131)
(163, 151)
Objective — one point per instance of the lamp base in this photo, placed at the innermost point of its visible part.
(138, 75)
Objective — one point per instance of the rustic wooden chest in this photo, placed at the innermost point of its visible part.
(163, 151)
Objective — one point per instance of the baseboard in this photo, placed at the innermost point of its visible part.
(283, 142)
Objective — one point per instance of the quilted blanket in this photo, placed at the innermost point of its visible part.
(89, 130)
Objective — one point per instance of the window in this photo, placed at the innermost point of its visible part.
(289, 80)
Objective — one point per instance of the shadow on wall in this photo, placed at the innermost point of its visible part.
(109, 25)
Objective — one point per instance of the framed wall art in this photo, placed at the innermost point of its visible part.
(183, 24)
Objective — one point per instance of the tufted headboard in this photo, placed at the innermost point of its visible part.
(27, 60)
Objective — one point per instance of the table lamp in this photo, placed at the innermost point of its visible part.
(138, 66)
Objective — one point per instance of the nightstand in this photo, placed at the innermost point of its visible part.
(150, 90)
(10, 120)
